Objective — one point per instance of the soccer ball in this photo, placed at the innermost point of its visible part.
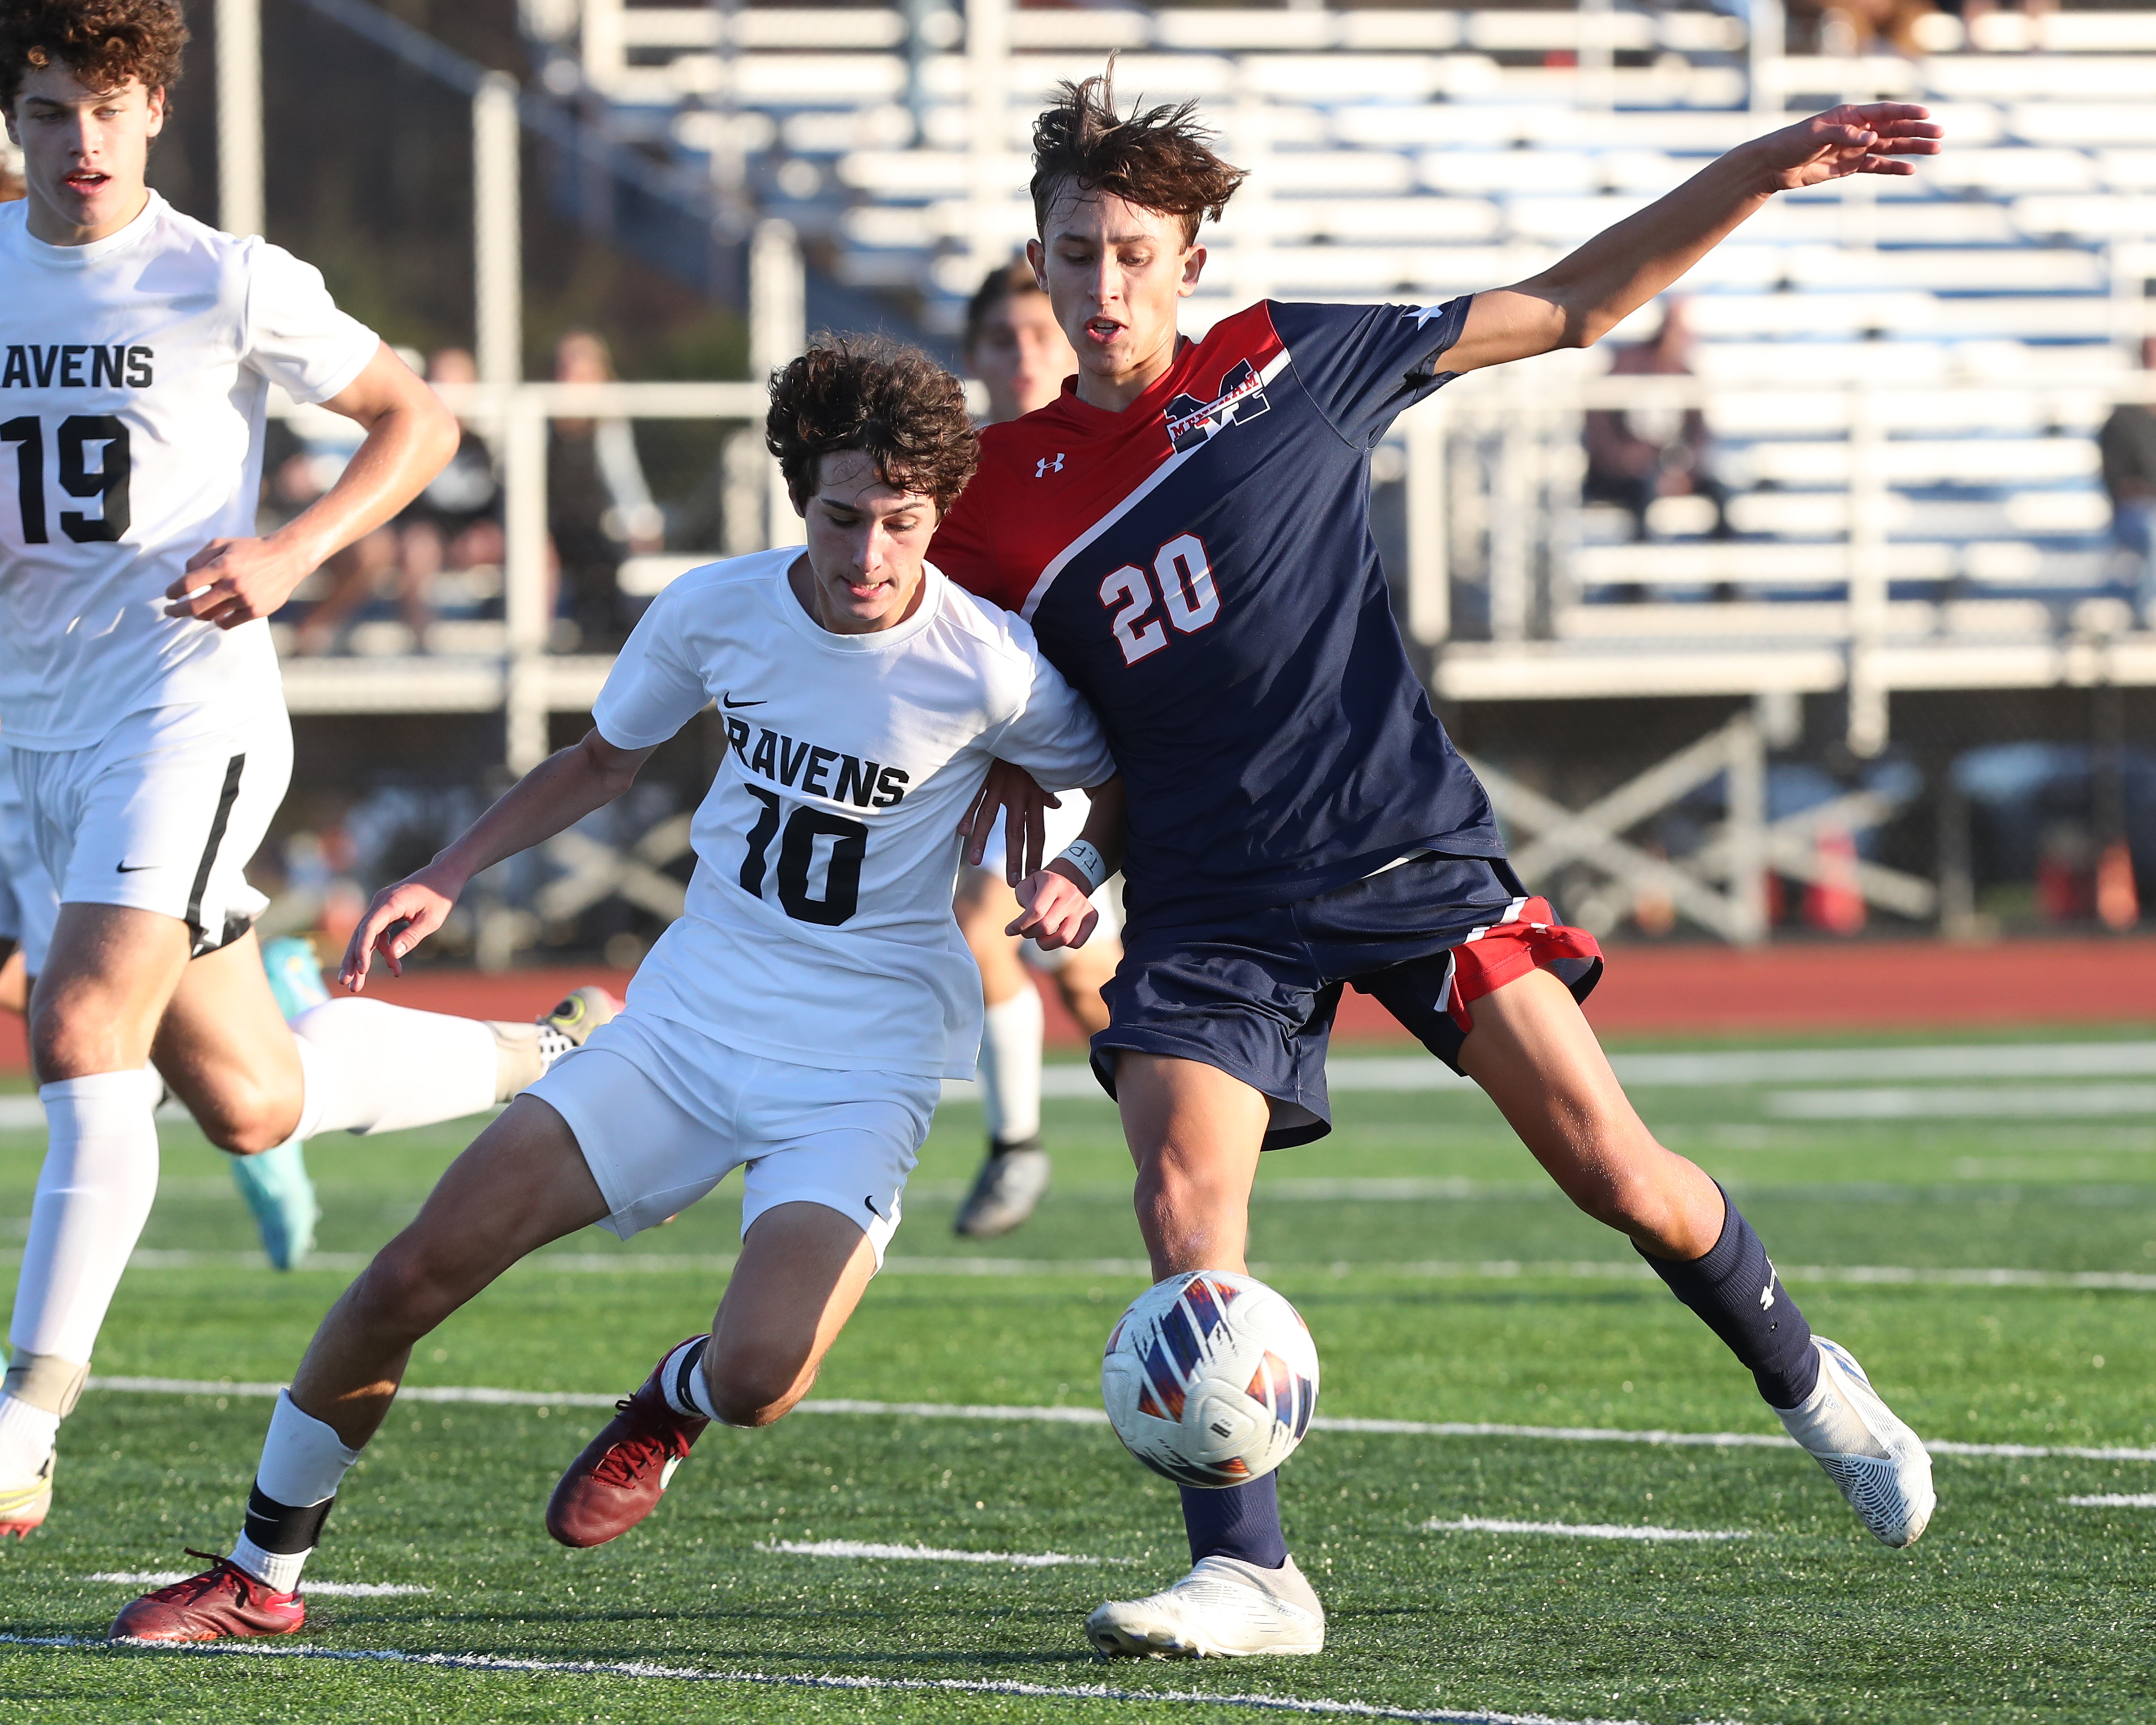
(1211, 1378)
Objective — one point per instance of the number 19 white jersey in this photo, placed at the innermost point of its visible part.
(818, 927)
(133, 377)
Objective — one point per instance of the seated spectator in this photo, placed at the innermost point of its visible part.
(1635, 455)
(455, 523)
(599, 508)
(2127, 444)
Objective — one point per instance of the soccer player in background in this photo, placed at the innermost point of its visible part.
(1016, 349)
(798, 1018)
(1188, 530)
(273, 1182)
(140, 698)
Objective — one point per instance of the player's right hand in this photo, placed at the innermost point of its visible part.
(1054, 910)
(400, 917)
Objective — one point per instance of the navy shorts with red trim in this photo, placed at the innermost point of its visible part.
(1255, 993)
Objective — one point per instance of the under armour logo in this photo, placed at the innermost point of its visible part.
(1044, 467)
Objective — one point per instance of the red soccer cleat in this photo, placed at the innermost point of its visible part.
(619, 1478)
(224, 1600)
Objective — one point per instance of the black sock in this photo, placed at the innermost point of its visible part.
(1736, 1292)
(282, 1530)
(1236, 1521)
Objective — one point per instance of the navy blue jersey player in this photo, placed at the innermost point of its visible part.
(1188, 531)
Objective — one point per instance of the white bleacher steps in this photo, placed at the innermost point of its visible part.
(1814, 622)
(434, 683)
(1975, 461)
(1815, 514)
(1709, 563)
(2083, 123)
(1583, 670)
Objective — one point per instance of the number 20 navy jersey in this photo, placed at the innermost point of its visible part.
(1200, 567)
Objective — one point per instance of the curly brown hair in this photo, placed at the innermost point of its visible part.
(882, 396)
(1160, 160)
(103, 43)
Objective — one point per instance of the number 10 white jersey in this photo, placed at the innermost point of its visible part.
(818, 926)
(134, 372)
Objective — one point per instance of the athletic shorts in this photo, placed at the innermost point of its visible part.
(27, 902)
(1254, 993)
(164, 813)
(662, 1113)
(1062, 825)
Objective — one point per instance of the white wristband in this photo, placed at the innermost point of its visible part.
(1088, 861)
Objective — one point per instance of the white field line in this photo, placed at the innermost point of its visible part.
(328, 1589)
(1975, 1101)
(920, 1553)
(787, 1680)
(1434, 1269)
(2114, 1500)
(1069, 1082)
(1095, 1416)
(1582, 1530)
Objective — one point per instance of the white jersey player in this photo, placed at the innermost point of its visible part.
(139, 695)
(796, 1021)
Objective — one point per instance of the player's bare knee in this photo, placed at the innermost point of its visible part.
(752, 1386)
(403, 1293)
(247, 1125)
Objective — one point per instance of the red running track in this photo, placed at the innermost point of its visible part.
(1647, 991)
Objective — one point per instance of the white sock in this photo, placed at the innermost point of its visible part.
(26, 1438)
(1011, 1066)
(303, 1463)
(93, 1194)
(682, 1382)
(371, 1067)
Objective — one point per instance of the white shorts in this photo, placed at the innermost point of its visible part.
(164, 813)
(1062, 825)
(27, 902)
(662, 1113)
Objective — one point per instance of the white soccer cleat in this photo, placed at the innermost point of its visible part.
(1881, 1466)
(25, 1503)
(525, 1051)
(1224, 1608)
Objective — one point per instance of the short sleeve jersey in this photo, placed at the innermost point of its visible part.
(818, 926)
(134, 376)
(1200, 566)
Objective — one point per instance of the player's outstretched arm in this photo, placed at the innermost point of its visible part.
(1581, 298)
(410, 437)
(555, 794)
(1055, 903)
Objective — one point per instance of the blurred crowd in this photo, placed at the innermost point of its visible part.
(443, 557)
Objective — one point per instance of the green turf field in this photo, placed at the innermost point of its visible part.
(1445, 1283)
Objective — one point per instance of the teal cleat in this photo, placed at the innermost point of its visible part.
(276, 1188)
(275, 1184)
(295, 975)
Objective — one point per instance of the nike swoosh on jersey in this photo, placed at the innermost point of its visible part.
(728, 700)
(133, 868)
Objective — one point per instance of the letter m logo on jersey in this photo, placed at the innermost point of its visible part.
(1191, 421)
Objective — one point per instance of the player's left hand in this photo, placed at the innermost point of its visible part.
(401, 916)
(1054, 909)
(1856, 138)
(1012, 792)
(230, 581)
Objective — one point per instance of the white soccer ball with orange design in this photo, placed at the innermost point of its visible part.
(1211, 1378)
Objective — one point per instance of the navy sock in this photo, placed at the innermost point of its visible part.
(1236, 1521)
(1736, 1292)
